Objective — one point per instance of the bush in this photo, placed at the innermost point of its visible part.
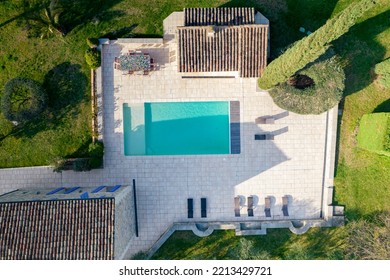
(327, 91)
(96, 149)
(82, 164)
(93, 58)
(312, 47)
(382, 69)
(369, 239)
(95, 160)
(23, 100)
(92, 42)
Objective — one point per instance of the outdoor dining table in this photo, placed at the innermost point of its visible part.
(134, 62)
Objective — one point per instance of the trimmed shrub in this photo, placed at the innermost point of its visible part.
(93, 58)
(382, 69)
(327, 91)
(96, 149)
(82, 164)
(92, 42)
(312, 47)
(23, 100)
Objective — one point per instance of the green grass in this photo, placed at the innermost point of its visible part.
(64, 129)
(373, 132)
(277, 244)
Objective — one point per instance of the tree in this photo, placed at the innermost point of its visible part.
(93, 58)
(369, 239)
(23, 99)
(43, 20)
(313, 46)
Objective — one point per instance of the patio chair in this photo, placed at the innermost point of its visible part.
(237, 206)
(131, 72)
(285, 206)
(146, 72)
(250, 206)
(116, 60)
(203, 210)
(267, 208)
(190, 208)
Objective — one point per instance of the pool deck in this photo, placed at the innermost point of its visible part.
(298, 163)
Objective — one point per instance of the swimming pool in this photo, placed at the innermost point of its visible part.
(176, 128)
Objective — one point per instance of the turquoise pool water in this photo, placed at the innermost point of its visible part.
(176, 128)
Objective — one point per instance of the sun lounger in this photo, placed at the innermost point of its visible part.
(237, 206)
(267, 208)
(203, 211)
(264, 137)
(250, 206)
(68, 191)
(265, 120)
(55, 191)
(285, 206)
(190, 208)
(114, 188)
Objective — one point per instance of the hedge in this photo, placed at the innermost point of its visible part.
(327, 91)
(382, 69)
(313, 46)
(93, 58)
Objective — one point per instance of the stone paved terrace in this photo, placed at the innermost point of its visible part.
(298, 163)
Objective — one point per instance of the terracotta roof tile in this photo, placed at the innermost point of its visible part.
(218, 16)
(57, 229)
(241, 48)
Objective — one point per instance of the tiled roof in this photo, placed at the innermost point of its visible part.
(57, 229)
(241, 48)
(218, 16)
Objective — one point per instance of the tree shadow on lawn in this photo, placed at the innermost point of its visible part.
(66, 87)
(124, 32)
(78, 12)
(384, 107)
(287, 16)
(360, 51)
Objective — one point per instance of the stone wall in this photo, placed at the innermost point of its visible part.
(124, 222)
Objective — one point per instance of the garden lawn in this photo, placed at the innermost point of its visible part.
(64, 129)
(373, 132)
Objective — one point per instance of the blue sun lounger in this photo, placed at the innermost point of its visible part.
(203, 210)
(190, 208)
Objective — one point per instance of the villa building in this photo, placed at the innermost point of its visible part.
(67, 223)
(181, 116)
